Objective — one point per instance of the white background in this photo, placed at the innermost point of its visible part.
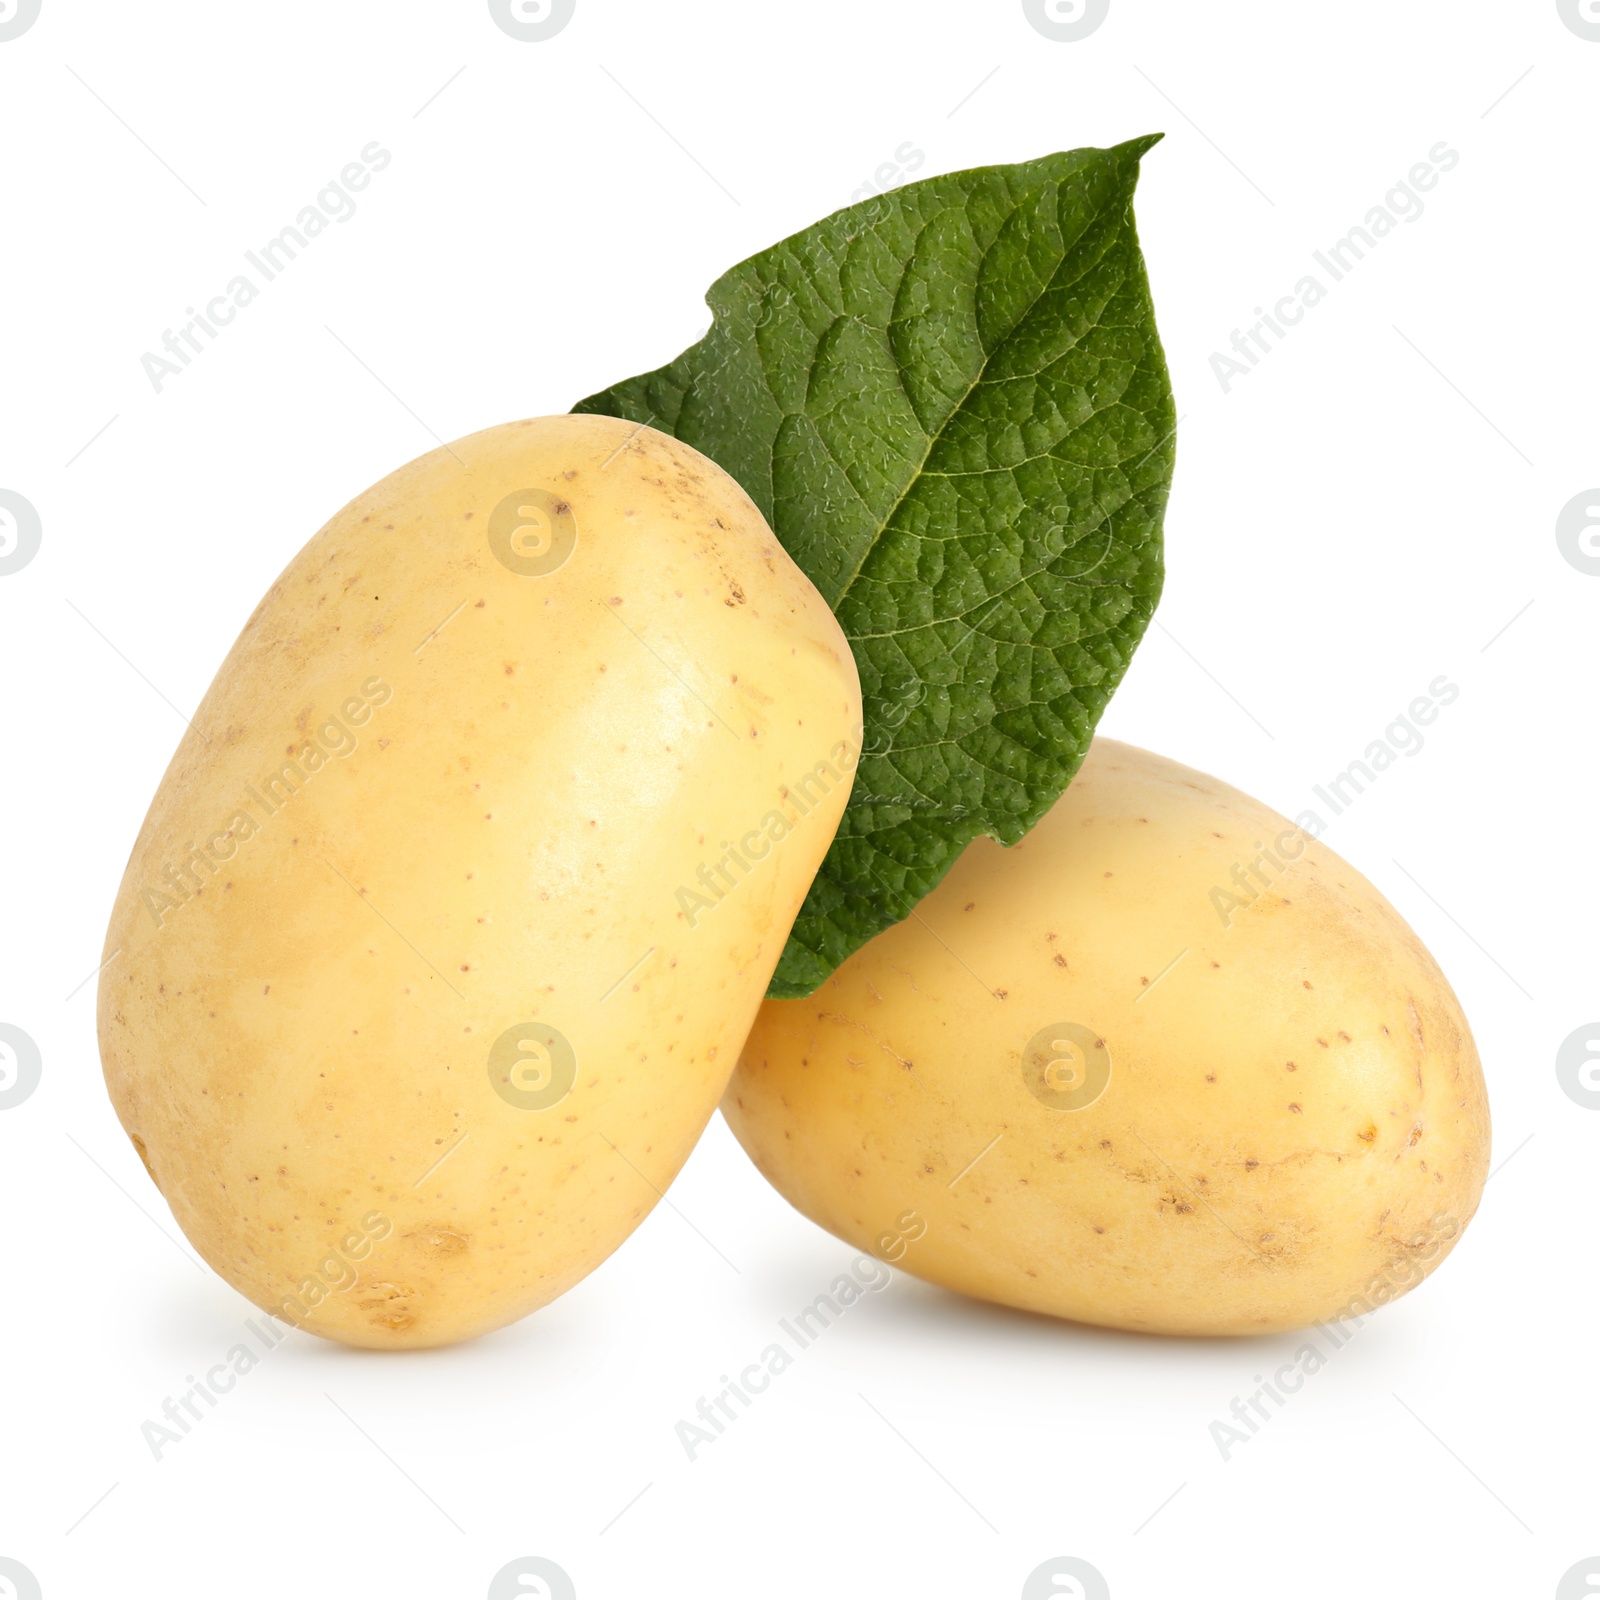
(1373, 506)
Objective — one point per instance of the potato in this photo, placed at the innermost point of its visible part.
(443, 932)
(1103, 1076)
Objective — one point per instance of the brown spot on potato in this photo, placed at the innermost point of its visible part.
(144, 1156)
(441, 1242)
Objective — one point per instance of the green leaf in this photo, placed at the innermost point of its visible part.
(951, 405)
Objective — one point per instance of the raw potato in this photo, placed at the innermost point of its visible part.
(1293, 1127)
(419, 1033)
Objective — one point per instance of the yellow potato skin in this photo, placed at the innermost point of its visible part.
(1294, 1126)
(296, 1026)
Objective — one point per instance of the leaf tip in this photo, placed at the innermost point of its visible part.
(1135, 148)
